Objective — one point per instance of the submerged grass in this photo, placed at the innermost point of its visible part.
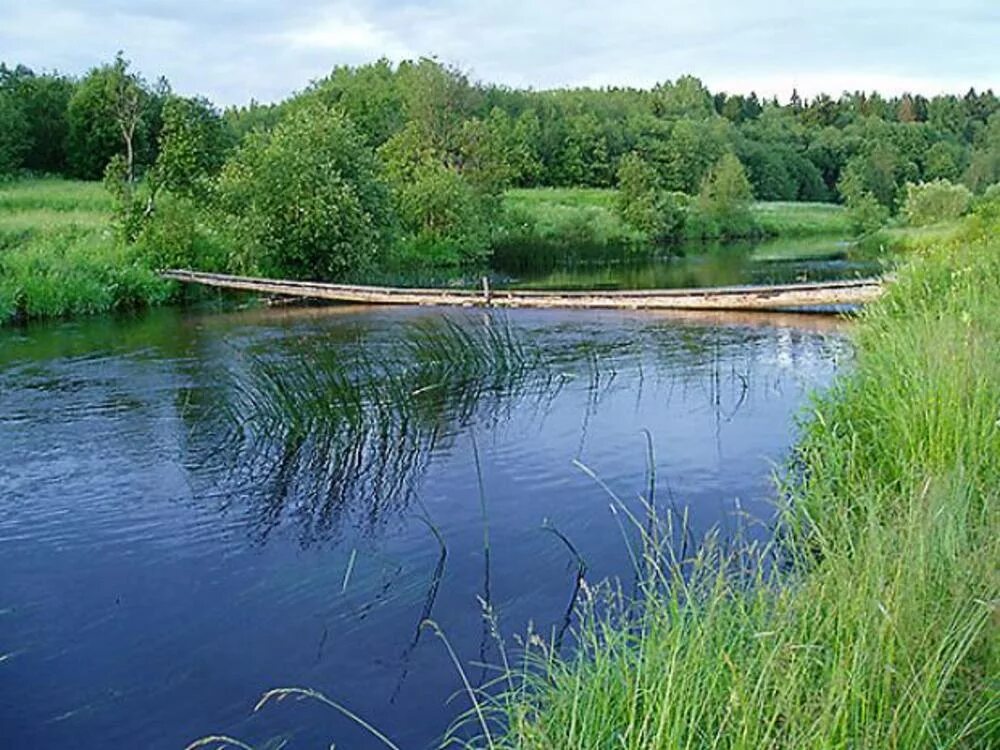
(873, 622)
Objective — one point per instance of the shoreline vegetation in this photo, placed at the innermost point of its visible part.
(393, 168)
(871, 621)
(61, 253)
(866, 619)
(874, 624)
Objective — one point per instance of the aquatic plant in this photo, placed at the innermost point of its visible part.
(876, 631)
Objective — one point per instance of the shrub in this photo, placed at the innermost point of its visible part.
(176, 237)
(305, 200)
(448, 219)
(722, 208)
(644, 205)
(938, 200)
(865, 213)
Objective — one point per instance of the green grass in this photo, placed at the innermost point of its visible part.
(59, 255)
(567, 218)
(563, 218)
(784, 219)
(879, 628)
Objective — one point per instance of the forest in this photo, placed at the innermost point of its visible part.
(407, 165)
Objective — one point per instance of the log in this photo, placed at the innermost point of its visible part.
(776, 297)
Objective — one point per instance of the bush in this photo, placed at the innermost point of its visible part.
(449, 221)
(175, 237)
(723, 205)
(305, 200)
(644, 205)
(866, 214)
(931, 202)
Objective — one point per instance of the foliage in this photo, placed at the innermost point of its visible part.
(799, 219)
(108, 114)
(643, 204)
(865, 213)
(723, 205)
(450, 146)
(939, 200)
(874, 626)
(13, 133)
(192, 147)
(58, 257)
(542, 219)
(305, 201)
(447, 172)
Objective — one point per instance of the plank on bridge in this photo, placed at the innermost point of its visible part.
(775, 297)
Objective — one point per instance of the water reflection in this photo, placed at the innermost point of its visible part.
(776, 261)
(198, 508)
(322, 436)
(319, 436)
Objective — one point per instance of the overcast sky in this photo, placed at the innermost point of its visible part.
(232, 50)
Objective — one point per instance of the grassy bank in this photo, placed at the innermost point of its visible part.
(587, 217)
(564, 218)
(59, 255)
(879, 628)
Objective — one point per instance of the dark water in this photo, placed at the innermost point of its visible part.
(158, 576)
(776, 261)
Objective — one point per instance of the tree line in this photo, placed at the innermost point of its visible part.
(415, 157)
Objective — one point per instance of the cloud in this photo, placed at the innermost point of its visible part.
(232, 50)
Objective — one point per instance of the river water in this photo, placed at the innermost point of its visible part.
(198, 507)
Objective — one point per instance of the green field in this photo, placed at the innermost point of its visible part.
(567, 218)
(560, 217)
(59, 255)
(879, 628)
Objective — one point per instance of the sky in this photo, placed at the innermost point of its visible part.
(232, 51)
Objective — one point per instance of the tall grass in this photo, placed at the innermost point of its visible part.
(344, 435)
(566, 219)
(59, 255)
(787, 219)
(585, 219)
(872, 622)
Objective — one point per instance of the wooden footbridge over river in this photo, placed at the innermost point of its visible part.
(777, 297)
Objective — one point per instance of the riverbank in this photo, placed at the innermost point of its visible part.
(570, 218)
(60, 255)
(876, 629)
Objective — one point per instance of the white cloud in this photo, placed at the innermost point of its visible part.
(342, 30)
(232, 50)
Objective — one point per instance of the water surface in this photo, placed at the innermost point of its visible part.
(162, 569)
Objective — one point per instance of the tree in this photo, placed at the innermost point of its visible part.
(643, 204)
(880, 172)
(930, 202)
(126, 107)
(14, 133)
(105, 117)
(306, 200)
(943, 161)
(370, 95)
(723, 205)
(193, 145)
(42, 101)
(687, 98)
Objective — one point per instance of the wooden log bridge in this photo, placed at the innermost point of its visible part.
(778, 297)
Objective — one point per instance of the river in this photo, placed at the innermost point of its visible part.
(196, 507)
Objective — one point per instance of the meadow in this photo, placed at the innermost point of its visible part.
(60, 256)
(573, 217)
